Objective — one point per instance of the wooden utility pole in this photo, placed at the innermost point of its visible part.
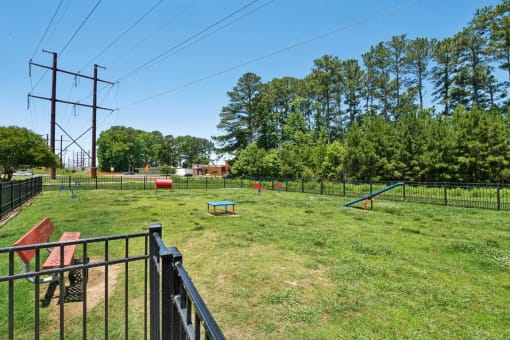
(54, 101)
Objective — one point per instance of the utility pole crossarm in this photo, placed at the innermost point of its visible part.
(54, 100)
(76, 74)
(72, 103)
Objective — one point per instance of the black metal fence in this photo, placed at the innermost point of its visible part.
(470, 195)
(183, 313)
(14, 194)
(171, 305)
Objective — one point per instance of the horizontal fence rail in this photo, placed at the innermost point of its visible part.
(142, 253)
(494, 196)
(14, 194)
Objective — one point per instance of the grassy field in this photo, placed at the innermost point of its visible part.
(299, 266)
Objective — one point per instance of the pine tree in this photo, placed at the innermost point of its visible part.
(238, 118)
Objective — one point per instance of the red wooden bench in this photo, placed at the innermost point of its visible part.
(39, 234)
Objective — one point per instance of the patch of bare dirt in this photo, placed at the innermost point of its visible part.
(95, 293)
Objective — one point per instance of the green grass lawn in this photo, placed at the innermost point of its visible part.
(300, 266)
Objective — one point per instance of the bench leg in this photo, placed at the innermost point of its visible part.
(77, 283)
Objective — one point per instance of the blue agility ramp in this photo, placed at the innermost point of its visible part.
(372, 195)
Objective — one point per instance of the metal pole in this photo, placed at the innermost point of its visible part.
(61, 152)
(53, 110)
(93, 172)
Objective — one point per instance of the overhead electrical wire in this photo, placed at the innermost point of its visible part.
(37, 48)
(47, 28)
(282, 50)
(184, 46)
(123, 33)
(70, 40)
(164, 54)
(220, 28)
(80, 27)
(120, 36)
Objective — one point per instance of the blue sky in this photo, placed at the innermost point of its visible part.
(183, 93)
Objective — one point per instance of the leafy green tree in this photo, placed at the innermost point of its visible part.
(167, 170)
(354, 80)
(154, 146)
(332, 166)
(473, 70)
(381, 88)
(249, 162)
(123, 148)
(494, 23)
(193, 150)
(274, 105)
(419, 53)
(445, 55)
(482, 146)
(295, 153)
(371, 150)
(271, 165)
(19, 147)
(439, 157)
(116, 148)
(354, 157)
(413, 136)
(397, 48)
(327, 79)
(238, 119)
(168, 153)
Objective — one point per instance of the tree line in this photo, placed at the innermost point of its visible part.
(416, 109)
(125, 148)
(22, 147)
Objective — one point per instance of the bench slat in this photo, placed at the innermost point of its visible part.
(53, 259)
(40, 233)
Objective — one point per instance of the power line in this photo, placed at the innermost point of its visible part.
(79, 27)
(68, 42)
(282, 50)
(220, 28)
(47, 28)
(208, 35)
(123, 33)
(164, 54)
(181, 44)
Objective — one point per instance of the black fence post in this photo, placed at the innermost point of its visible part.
(187, 182)
(12, 196)
(404, 189)
(498, 192)
(96, 182)
(302, 185)
(445, 194)
(322, 186)
(206, 182)
(343, 185)
(370, 186)
(171, 287)
(1, 203)
(154, 292)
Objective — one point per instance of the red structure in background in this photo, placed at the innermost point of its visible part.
(163, 183)
(211, 170)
